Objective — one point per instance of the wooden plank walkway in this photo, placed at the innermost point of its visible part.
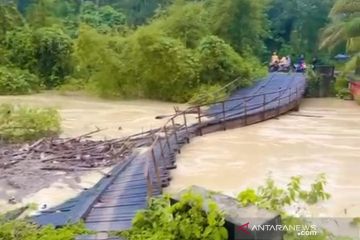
(113, 202)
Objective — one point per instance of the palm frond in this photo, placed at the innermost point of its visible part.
(345, 7)
(353, 27)
(353, 45)
(333, 35)
(352, 64)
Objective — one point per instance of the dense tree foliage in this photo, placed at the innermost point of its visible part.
(295, 25)
(242, 23)
(104, 18)
(10, 18)
(44, 51)
(163, 49)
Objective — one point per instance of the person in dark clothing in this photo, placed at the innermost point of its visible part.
(301, 65)
(301, 59)
(315, 62)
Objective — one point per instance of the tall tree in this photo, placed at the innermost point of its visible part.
(243, 23)
(10, 18)
(296, 24)
(137, 11)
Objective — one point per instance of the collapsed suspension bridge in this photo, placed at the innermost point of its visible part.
(114, 201)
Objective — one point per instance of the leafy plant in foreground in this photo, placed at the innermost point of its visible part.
(276, 199)
(185, 219)
(25, 230)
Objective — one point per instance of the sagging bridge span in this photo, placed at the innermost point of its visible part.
(113, 202)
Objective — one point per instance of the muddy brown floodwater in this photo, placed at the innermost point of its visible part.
(324, 137)
(79, 115)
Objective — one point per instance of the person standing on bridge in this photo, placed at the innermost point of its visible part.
(274, 59)
(274, 64)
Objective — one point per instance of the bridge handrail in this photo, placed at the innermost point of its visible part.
(171, 125)
(248, 98)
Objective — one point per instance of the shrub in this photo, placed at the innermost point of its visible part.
(185, 219)
(3, 56)
(313, 84)
(344, 93)
(16, 81)
(72, 85)
(20, 49)
(340, 84)
(151, 65)
(208, 94)
(19, 123)
(273, 198)
(169, 70)
(25, 230)
(166, 59)
(276, 199)
(221, 64)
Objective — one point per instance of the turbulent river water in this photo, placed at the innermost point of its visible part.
(82, 114)
(324, 137)
(79, 115)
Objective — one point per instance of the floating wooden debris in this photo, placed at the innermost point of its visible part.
(73, 154)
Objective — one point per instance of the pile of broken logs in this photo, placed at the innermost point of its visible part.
(72, 154)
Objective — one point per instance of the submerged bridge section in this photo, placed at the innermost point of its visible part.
(113, 202)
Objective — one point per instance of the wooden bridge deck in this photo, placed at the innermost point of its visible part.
(113, 202)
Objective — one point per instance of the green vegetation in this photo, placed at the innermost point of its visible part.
(295, 26)
(208, 94)
(19, 123)
(272, 197)
(171, 56)
(25, 230)
(16, 81)
(342, 88)
(186, 218)
(313, 88)
(160, 49)
(188, 59)
(182, 220)
(344, 29)
(45, 52)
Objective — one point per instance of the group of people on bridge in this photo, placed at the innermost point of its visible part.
(284, 64)
(280, 64)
